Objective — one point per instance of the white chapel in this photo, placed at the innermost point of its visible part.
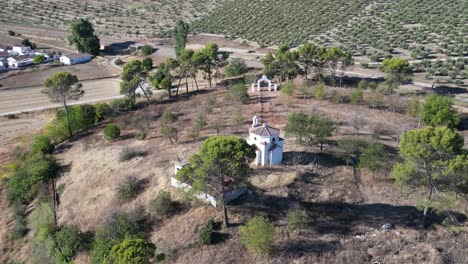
(268, 142)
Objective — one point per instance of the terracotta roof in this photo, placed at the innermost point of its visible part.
(265, 131)
(77, 55)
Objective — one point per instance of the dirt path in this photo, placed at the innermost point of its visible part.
(48, 45)
(16, 101)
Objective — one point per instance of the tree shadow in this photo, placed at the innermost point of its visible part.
(464, 122)
(298, 248)
(446, 90)
(338, 217)
(307, 158)
(219, 237)
(118, 48)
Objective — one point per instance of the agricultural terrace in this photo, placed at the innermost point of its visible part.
(358, 24)
(127, 18)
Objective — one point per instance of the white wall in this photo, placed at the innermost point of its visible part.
(229, 196)
(65, 60)
(265, 156)
(186, 188)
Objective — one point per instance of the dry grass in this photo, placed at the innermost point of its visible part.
(342, 226)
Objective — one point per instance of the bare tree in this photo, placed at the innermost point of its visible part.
(357, 121)
(401, 129)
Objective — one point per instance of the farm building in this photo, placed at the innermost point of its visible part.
(75, 58)
(20, 61)
(3, 63)
(22, 50)
(268, 142)
(4, 55)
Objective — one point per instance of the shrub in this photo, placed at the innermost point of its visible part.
(19, 215)
(147, 64)
(200, 121)
(142, 124)
(100, 250)
(42, 223)
(128, 189)
(168, 117)
(236, 67)
(130, 153)
(375, 100)
(319, 91)
(24, 184)
(414, 107)
(42, 144)
(82, 117)
(356, 96)
(194, 134)
(123, 105)
(257, 235)
(288, 88)
(167, 129)
(162, 205)
(373, 86)
(69, 241)
(111, 132)
(103, 111)
(38, 59)
(119, 62)
(113, 231)
(363, 84)
(11, 33)
(296, 220)
(341, 98)
(238, 93)
(133, 251)
(86, 115)
(205, 236)
(439, 111)
(146, 50)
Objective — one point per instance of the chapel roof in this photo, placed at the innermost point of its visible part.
(265, 131)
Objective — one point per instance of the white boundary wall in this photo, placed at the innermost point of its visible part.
(232, 195)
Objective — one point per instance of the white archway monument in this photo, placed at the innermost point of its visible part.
(271, 85)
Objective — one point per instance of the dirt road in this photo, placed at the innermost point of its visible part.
(14, 101)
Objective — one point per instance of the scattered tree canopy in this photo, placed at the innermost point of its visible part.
(221, 164)
(84, 37)
(60, 88)
(434, 159)
(438, 111)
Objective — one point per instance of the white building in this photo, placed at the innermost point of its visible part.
(268, 142)
(75, 58)
(48, 57)
(20, 61)
(22, 50)
(3, 63)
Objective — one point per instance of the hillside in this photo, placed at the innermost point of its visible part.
(357, 23)
(142, 18)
